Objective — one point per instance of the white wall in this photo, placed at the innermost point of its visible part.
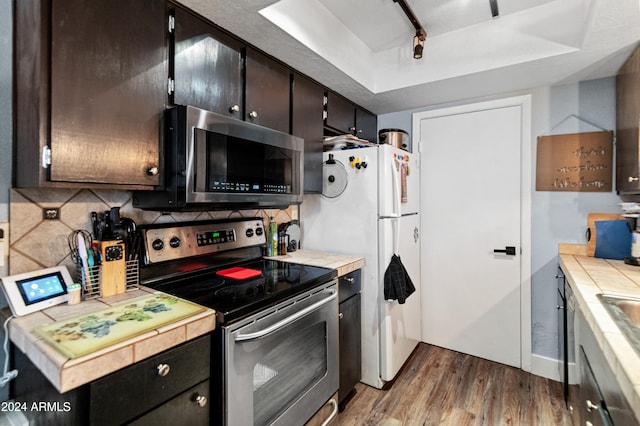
(6, 131)
(557, 217)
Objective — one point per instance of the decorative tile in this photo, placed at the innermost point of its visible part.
(76, 213)
(46, 244)
(94, 368)
(48, 197)
(24, 215)
(113, 197)
(19, 263)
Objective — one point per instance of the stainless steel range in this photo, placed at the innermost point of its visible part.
(275, 348)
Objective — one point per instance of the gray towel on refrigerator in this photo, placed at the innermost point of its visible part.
(397, 283)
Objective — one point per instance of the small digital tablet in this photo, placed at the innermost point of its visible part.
(33, 291)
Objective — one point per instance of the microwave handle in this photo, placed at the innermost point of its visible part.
(286, 321)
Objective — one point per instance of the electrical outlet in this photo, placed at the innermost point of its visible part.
(50, 213)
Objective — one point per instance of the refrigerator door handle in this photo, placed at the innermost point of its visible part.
(395, 180)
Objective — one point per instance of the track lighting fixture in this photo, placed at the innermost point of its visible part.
(421, 34)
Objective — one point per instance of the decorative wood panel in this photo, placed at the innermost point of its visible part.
(575, 162)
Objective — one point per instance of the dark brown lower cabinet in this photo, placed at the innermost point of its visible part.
(350, 335)
(168, 388)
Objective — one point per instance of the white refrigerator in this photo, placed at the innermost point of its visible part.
(369, 207)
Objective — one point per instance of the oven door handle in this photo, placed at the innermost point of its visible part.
(286, 321)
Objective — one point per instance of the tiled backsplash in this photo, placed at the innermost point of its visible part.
(36, 243)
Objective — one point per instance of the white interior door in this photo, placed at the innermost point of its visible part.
(471, 205)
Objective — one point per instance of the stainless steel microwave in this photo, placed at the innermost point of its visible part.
(219, 163)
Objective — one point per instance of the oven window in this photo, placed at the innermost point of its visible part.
(287, 371)
(244, 166)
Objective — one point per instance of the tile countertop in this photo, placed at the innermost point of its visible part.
(66, 374)
(343, 263)
(589, 276)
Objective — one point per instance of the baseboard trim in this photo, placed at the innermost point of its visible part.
(545, 367)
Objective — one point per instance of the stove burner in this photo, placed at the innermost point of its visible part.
(236, 292)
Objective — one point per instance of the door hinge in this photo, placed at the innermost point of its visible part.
(171, 86)
(46, 157)
(172, 23)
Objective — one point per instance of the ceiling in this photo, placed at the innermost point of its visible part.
(363, 48)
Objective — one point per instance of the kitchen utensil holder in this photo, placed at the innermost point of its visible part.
(92, 287)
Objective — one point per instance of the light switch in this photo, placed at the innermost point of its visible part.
(4, 247)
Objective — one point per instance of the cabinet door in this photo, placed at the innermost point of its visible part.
(627, 118)
(207, 66)
(108, 90)
(189, 408)
(268, 92)
(366, 125)
(340, 114)
(307, 122)
(350, 347)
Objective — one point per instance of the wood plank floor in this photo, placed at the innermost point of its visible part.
(442, 387)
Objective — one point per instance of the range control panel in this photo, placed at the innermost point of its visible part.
(178, 241)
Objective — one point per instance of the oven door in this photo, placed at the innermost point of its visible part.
(282, 363)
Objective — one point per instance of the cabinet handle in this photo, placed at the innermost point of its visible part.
(253, 114)
(351, 280)
(200, 400)
(340, 315)
(352, 129)
(632, 179)
(163, 369)
(234, 108)
(591, 406)
(152, 171)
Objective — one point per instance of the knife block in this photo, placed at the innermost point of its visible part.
(113, 267)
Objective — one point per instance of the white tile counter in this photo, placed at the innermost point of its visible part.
(343, 263)
(66, 373)
(589, 276)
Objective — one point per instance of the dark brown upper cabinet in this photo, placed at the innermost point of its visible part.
(207, 66)
(90, 88)
(267, 92)
(627, 118)
(366, 125)
(307, 122)
(344, 117)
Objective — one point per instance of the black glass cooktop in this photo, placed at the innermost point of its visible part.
(234, 299)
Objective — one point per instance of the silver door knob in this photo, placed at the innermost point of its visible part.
(253, 114)
(234, 108)
(632, 179)
(163, 369)
(152, 171)
(591, 406)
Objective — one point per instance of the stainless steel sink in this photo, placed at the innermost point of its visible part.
(625, 312)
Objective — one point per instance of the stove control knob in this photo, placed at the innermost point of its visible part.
(258, 231)
(249, 233)
(157, 244)
(174, 242)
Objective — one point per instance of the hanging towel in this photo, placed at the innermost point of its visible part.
(397, 283)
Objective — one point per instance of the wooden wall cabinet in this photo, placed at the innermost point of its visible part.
(345, 117)
(267, 92)
(307, 122)
(627, 120)
(90, 90)
(207, 66)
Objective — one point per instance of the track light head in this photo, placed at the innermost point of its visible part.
(418, 43)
